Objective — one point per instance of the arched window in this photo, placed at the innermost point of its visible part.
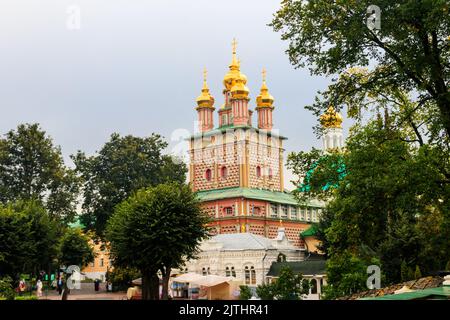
(230, 272)
(250, 275)
(253, 275)
(247, 275)
(313, 286)
(204, 272)
(223, 172)
(208, 174)
(224, 120)
(258, 172)
(270, 173)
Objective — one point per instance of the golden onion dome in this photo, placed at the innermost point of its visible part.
(264, 99)
(235, 72)
(205, 99)
(239, 89)
(331, 118)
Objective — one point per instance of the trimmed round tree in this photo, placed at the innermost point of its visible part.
(155, 230)
(74, 249)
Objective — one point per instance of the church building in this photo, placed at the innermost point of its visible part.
(237, 166)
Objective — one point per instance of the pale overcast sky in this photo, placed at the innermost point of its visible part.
(135, 67)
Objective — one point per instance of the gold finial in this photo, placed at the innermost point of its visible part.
(243, 228)
(281, 223)
(205, 99)
(205, 74)
(264, 99)
(234, 75)
(234, 45)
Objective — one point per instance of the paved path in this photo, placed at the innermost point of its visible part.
(87, 292)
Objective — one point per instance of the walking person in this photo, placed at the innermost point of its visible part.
(60, 284)
(39, 288)
(22, 287)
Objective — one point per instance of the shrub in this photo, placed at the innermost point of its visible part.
(121, 277)
(245, 293)
(6, 288)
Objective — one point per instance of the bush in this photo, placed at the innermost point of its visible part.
(6, 288)
(245, 293)
(121, 277)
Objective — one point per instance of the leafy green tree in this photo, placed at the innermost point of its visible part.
(346, 274)
(265, 291)
(32, 168)
(121, 277)
(288, 286)
(28, 238)
(406, 272)
(417, 273)
(245, 293)
(6, 288)
(392, 200)
(155, 230)
(121, 167)
(410, 51)
(75, 248)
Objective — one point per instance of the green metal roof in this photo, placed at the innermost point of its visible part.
(77, 224)
(250, 193)
(431, 293)
(310, 232)
(306, 267)
(224, 129)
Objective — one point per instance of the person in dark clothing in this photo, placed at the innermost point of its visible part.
(97, 284)
(60, 284)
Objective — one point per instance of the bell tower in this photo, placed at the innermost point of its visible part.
(205, 107)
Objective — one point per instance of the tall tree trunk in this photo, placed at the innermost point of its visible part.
(66, 291)
(165, 283)
(150, 285)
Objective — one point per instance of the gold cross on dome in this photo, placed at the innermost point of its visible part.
(234, 44)
(205, 73)
(264, 74)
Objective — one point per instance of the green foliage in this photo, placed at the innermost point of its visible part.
(406, 272)
(75, 248)
(410, 51)
(121, 277)
(288, 286)
(33, 169)
(121, 167)
(265, 291)
(393, 201)
(346, 274)
(22, 298)
(6, 288)
(417, 273)
(245, 293)
(157, 228)
(27, 238)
